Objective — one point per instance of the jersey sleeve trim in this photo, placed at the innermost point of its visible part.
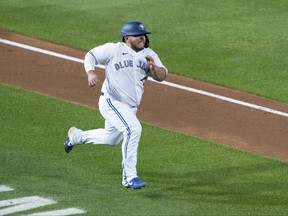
(91, 53)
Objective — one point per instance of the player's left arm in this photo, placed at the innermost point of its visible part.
(158, 73)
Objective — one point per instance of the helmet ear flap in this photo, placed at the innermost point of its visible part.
(147, 42)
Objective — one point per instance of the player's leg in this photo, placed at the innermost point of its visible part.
(126, 121)
(129, 150)
(108, 136)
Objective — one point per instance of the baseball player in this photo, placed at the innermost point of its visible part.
(128, 65)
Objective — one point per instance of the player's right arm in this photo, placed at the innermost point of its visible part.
(92, 78)
(89, 65)
(103, 54)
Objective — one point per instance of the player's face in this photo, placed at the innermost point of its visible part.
(137, 42)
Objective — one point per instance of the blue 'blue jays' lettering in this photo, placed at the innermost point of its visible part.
(129, 63)
(143, 66)
(126, 63)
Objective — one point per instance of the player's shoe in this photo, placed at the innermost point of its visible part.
(125, 182)
(68, 146)
(135, 183)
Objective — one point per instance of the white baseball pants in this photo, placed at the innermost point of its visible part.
(121, 123)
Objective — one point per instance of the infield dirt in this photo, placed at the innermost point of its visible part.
(167, 107)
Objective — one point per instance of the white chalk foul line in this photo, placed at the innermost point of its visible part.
(5, 188)
(265, 109)
(39, 50)
(185, 88)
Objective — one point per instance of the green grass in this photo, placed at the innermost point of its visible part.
(238, 44)
(185, 175)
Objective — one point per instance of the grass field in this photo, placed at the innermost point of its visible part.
(238, 44)
(185, 175)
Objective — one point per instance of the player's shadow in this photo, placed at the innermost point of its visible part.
(245, 185)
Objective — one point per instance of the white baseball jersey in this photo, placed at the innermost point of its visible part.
(126, 71)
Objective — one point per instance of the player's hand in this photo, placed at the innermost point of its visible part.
(92, 78)
(158, 73)
(150, 62)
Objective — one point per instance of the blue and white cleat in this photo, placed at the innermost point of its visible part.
(136, 183)
(68, 146)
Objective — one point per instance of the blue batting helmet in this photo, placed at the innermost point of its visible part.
(134, 28)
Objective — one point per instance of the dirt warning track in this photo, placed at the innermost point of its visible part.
(246, 128)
